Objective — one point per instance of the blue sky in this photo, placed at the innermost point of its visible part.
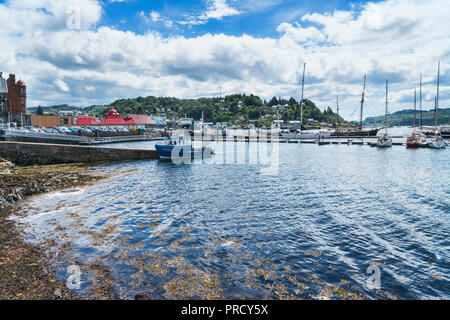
(257, 17)
(83, 52)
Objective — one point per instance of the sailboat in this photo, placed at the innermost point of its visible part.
(300, 133)
(437, 142)
(416, 138)
(384, 140)
(359, 132)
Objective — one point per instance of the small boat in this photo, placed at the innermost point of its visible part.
(437, 143)
(415, 140)
(384, 140)
(301, 134)
(181, 150)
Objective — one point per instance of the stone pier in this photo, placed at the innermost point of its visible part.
(24, 153)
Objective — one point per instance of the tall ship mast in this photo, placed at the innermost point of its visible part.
(359, 131)
(415, 107)
(436, 108)
(384, 140)
(362, 105)
(337, 112)
(420, 102)
(437, 142)
(301, 101)
(300, 133)
(386, 122)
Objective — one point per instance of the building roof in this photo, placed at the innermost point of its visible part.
(141, 119)
(118, 121)
(87, 120)
(112, 113)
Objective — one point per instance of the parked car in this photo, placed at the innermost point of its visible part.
(63, 129)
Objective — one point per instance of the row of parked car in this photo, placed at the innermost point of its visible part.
(73, 130)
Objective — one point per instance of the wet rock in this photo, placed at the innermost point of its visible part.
(58, 294)
(3, 203)
(5, 164)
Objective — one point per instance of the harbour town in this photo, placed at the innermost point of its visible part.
(76, 152)
(142, 164)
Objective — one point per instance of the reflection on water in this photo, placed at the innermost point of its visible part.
(214, 231)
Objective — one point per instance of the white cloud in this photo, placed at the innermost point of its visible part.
(61, 85)
(155, 16)
(297, 33)
(396, 39)
(215, 9)
(218, 9)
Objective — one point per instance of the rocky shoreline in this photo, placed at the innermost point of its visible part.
(26, 274)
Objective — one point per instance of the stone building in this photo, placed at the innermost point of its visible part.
(17, 98)
(3, 100)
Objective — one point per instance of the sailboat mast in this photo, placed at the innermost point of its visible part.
(415, 104)
(435, 112)
(437, 98)
(301, 101)
(337, 109)
(420, 101)
(387, 102)
(362, 104)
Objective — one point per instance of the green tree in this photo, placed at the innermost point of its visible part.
(40, 111)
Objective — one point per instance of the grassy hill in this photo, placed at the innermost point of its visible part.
(406, 118)
(92, 110)
(232, 108)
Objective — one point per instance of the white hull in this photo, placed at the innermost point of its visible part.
(384, 143)
(437, 144)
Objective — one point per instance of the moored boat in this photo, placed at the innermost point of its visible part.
(302, 134)
(384, 141)
(415, 140)
(181, 150)
(437, 143)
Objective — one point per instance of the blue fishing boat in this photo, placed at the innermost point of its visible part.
(180, 149)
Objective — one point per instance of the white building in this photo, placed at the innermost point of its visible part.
(3, 100)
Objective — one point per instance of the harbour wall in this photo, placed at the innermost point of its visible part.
(22, 153)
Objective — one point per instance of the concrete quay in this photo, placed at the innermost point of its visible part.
(24, 153)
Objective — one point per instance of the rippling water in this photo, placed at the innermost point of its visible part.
(213, 231)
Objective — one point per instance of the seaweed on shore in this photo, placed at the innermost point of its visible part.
(26, 274)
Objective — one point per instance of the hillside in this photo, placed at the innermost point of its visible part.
(238, 108)
(406, 118)
(64, 107)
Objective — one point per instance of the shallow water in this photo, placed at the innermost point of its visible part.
(214, 231)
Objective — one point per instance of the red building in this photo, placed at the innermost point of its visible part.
(17, 98)
(113, 118)
(87, 121)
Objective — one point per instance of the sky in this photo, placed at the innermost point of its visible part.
(84, 52)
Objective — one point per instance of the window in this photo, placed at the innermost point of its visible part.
(63, 121)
